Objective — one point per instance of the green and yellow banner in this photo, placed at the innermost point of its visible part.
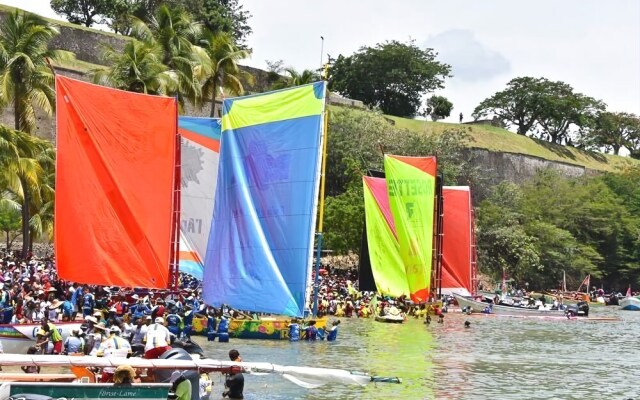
(411, 183)
(384, 253)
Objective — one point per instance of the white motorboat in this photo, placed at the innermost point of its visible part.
(630, 303)
(479, 306)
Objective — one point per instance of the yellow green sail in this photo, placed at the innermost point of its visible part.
(411, 183)
(384, 253)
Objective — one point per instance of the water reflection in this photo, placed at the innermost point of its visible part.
(494, 358)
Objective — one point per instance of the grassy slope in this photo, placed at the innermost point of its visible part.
(7, 9)
(501, 140)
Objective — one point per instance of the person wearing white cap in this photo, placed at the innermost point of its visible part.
(74, 343)
(156, 339)
(113, 346)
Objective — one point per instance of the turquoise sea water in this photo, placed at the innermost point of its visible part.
(497, 358)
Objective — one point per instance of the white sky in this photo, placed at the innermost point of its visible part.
(594, 45)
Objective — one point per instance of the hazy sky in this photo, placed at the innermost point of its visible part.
(594, 45)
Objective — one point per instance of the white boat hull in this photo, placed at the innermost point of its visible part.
(479, 306)
(630, 304)
(17, 338)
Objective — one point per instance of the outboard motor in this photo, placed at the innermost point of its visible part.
(137, 350)
(583, 308)
(189, 346)
(580, 309)
(164, 375)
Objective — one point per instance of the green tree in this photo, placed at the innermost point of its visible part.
(221, 69)
(274, 71)
(225, 16)
(392, 76)
(10, 222)
(564, 109)
(344, 220)
(136, 68)
(520, 104)
(612, 131)
(26, 84)
(439, 107)
(295, 78)
(175, 33)
(83, 12)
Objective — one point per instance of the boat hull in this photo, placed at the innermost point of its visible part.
(83, 391)
(17, 338)
(479, 306)
(630, 304)
(391, 319)
(266, 329)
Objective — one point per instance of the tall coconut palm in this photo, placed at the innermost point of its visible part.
(21, 176)
(221, 69)
(43, 199)
(26, 82)
(175, 33)
(295, 78)
(137, 68)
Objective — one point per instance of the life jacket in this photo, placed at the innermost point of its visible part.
(173, 320)
(294, 332)
(333, 334)
(87, 301)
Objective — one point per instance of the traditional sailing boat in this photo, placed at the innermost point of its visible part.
(118, 209)
(453, 240)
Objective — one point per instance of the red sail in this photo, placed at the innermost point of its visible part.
(456, 248)
(114, 185)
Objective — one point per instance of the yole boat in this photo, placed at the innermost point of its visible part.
(17, 338)
(81, 384)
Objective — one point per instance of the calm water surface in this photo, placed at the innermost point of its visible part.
(497, 358)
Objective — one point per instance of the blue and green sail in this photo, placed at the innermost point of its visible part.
(261, 239)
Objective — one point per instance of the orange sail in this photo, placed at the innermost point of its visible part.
(114, 185)
(457, 241)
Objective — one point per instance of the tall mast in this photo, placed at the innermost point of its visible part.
(175, 223)
(316, 283)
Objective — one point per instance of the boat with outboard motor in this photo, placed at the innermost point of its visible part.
(581, 309)
(82, 383)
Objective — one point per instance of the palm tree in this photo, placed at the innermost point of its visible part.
(221, 69)
(136, 68)
(43, 199)
(26, 84)
(21, 175)
(175, 33)
(296, 78)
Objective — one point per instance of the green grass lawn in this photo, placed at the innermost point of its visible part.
(79, 65)
(502, 140)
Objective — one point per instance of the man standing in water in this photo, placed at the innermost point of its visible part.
(234, 384)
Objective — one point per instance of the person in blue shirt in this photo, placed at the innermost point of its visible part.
(88, 304)
(75, 300)
(333, 331)
(140, 310)
(311, 331)
(187, 320)
(174, 323)
(67, 309)
(294, 330)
